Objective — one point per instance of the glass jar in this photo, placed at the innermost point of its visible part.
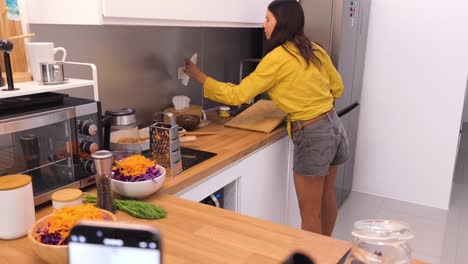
(380, 241)
(224, 111)
(66, 197)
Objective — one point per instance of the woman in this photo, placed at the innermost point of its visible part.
(301, 79)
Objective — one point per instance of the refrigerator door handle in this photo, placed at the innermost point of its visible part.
(361, 17)
(348, 109)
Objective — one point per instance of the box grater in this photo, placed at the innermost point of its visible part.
(164, 143)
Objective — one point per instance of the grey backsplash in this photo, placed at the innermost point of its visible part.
(137, 65)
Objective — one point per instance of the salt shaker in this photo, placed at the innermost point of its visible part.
(103, 164)
(16, 205)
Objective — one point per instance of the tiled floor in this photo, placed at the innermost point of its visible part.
(441, 236)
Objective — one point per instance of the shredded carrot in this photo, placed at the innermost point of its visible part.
(134, 165)
(63, 220)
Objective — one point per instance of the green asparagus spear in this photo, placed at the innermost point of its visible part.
(134, 208)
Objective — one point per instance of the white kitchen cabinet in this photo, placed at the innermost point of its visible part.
(263, 187)
(238, 11)
(155, 9)
(256, 186)
(227, 178)
(210, 13)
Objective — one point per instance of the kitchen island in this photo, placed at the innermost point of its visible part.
(198, 233)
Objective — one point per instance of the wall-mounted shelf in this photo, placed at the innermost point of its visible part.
(26, 88)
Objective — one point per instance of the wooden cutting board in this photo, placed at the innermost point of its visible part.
(263, 116)
(10, 25)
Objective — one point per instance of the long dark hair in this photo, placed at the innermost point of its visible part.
(290, 27)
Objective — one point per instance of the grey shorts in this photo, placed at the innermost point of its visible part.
(319, 145)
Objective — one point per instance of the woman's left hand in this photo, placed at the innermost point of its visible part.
(194, 72)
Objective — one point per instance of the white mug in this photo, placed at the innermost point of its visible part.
(42, 52)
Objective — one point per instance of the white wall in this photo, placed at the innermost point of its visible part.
(412, 101)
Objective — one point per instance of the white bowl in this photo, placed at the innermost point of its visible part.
(140, 189)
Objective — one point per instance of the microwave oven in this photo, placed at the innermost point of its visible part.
(51, 142)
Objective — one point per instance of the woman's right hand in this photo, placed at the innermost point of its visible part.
(194, 72)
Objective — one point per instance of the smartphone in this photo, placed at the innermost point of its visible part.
(108, 242)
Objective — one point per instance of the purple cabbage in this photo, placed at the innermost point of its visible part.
(50, 238)
(151, 173)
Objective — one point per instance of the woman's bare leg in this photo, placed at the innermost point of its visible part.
(309, 190)
(329, 206)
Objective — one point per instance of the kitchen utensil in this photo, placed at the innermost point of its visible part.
(16, 205)
(187, 139)
(188, 122)
(181, 133)
(164, 143)
(30, 35)
(263, 116)
(123, 126)
(39, 52)
(6, 47)
(52, 72)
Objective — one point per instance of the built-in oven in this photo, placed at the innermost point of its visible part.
(51, 142)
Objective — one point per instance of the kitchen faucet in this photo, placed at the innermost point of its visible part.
(6, 47)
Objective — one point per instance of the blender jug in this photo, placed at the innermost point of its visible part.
(121, 131)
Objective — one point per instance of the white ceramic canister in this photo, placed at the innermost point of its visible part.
(66, 197)
(16, 206)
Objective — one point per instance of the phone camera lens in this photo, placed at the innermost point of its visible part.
(99, 233)
(152, 245)
(143, 244)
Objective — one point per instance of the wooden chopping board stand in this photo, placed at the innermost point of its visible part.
(263, 116)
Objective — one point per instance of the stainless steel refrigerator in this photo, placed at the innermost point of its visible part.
(340, 26)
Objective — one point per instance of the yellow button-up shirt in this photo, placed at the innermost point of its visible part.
(300, 91)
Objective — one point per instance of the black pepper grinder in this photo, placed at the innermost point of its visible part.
(6, 47)
(103, 164)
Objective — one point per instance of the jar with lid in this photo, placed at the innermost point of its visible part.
(380, 241)
(66, 197)
(224, 111)
(16, 205)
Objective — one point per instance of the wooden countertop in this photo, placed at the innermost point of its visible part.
(229, 144)
(198, 233)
